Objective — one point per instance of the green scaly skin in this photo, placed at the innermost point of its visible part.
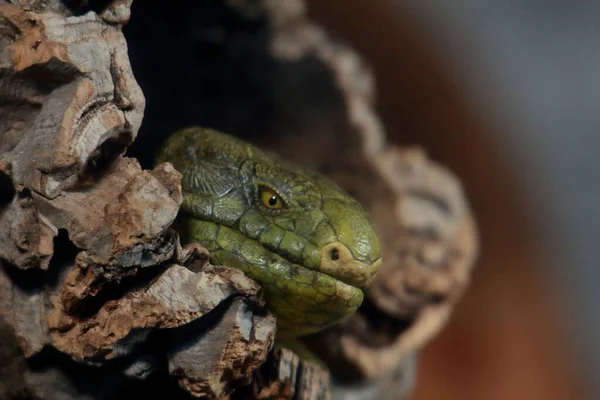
(314, 256)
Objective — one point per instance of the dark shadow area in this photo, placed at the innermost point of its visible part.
(159, 383)
(7, 191)
(49, 75)
(381, 329)
(112, 379)
(64, 255)
(388, 328)
(102, 160)
(12, 367)
(80, 7)
(107, 381)
(36, 279)
(90, 305)
(206, 67)
(138, 277)
(212, 66)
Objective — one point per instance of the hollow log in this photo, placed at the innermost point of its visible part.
(98, 298)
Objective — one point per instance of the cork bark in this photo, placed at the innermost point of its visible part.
(98, 299)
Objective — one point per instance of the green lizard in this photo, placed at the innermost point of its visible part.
(309, 244)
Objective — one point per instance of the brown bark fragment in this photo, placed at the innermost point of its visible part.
(28, 243)
(32, 46)
(243, 339)
(118, 12)
(69, 78)
(94, 215)
(176, 298)
(286, 376)
(24, 311)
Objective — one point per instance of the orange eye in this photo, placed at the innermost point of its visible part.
(269, 197)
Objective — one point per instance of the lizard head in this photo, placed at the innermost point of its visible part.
(310, 244)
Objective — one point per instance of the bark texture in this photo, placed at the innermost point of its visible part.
(98, 299)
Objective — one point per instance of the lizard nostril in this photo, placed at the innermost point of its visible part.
(335, 254)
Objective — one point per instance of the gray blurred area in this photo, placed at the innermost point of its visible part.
(532, 69)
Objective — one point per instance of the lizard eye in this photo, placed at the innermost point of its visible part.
(269, 197)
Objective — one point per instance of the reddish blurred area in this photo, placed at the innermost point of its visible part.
(506, 339)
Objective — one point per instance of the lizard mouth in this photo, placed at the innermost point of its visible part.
(304, 299)
(308, 301)
(356, 273)
(348, 273)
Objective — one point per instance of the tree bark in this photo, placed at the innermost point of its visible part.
(98, 299)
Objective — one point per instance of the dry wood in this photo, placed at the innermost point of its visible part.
(285, 376)
(116, 273)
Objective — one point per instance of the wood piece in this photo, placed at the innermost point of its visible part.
(177, 297)
(120, 223)
(73, 103)
(244, 340)
(29, 239)
(286, 376)
(114, 247)
(90, 270)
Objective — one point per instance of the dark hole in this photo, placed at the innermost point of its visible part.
(34, 280)
(7, 190)
(335, 254)
(437, 298)
(382, 329)
(64, 251)
(80, 7)
(64, 256)
(387, 327)
(104, 156)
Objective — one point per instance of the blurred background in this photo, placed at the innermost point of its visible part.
(506, 93)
